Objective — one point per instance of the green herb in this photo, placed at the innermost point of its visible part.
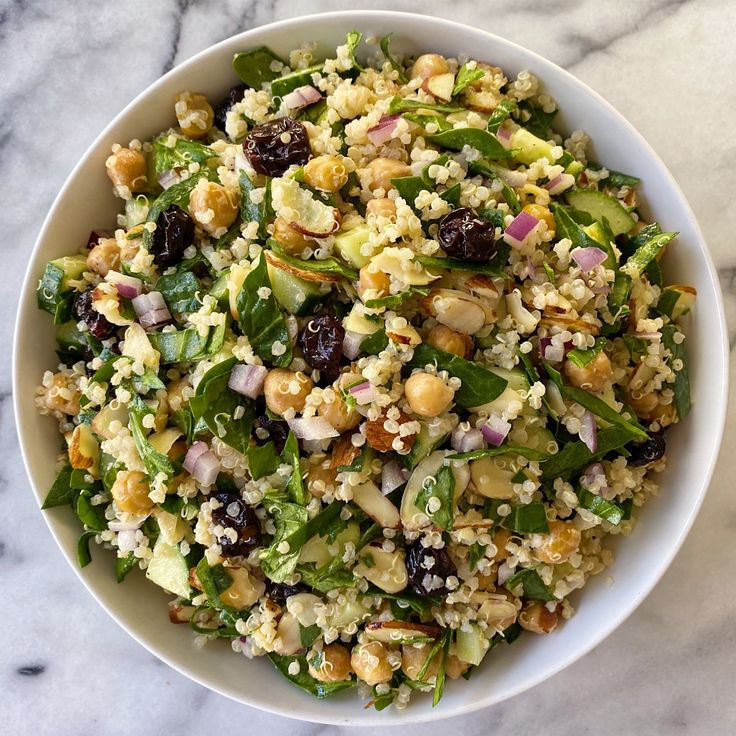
(682, 377)
(441, 487)
(483, 168)
(502, 112)
(401, 105)
(619, 295)
(425, 120)
(439, 683)
(251, 211)
(532, 375)
(465, 77)
(123, 565)
(568, 225)
(375, 343)
(647, 252)
(214, 407)
(329, 265)
(526, 452)
(61, 493)
(93, 517)
(288, 83)
(636, 346)
(539, 122)
(263, 460)
(477, 553)
(304, 680)
(83, 554)
(396, 300)
(600, 506)
(534, 587)
(254, 66)
(184, 346)
(479, 385)
(528, 519)
(214, 581)
(480, 140)
(183, 153)
(385, 48)
(154, 461)
(290, 456)
(180, 290)
(433, 652)
(581, 357)
(261, 319)
(353, 40)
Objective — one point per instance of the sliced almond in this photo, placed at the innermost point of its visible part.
(369, 497)
(304, 213)
(180, 614)
(440, 86)
(84, 450)
(390, 632)
(455, 309)
(566, 322)
(344, 451)
(288, 640)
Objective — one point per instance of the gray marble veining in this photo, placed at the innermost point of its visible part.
(68, 68)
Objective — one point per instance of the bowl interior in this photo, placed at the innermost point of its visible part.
(86, 202)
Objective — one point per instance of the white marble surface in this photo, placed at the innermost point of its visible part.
(67, 68)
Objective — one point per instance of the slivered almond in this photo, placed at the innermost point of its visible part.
(344, 451)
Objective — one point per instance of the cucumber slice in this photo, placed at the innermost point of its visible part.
(471, 645)
(601, 206)
(516, 379)
(168, 569)
(136, 210)
(283, 85)
(347, 245)
(528, 149)
(426, 442)
(296, 295)
(317, 548)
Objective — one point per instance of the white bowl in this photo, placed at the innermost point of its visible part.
(86, 202)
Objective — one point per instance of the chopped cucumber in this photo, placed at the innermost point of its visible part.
(168, 569)
(317, 549)
(676, 300)
(348, 244)
(600, 206)
(54, 294)
(426, 442)
(295, 294)
(283, 85)
(528, 149)
(471, 645)
(538, 438)
(136, 210)
(516, 379)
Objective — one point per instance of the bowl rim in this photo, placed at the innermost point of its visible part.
(720, 342)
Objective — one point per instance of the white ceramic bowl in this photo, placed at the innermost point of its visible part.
(86, 202)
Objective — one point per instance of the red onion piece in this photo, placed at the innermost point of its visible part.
(168, 178)
(151, 309)
(301, 97)
(195, 451)
(96, 235)
(466, 439)
(127, 286)
(588, 258)
(504, 137)
(363, 393)
(521, 229)
(382, 132)
(553, 353)
(248, 380)
(393, 475)
(351, 344)
(594, 475)
(312, 428)
(202, 464)
(589, 431)
(495, 430)
(559, 183)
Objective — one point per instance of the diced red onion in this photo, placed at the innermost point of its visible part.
(96, 235)
(381, 133)
(127, 286)
(151, 309)
(168, 178)
(351, 344)
(202, 464)
(466, 440)
(312, 428)
(531, 268)
(393, 475)
(588, 258)
(495, 430)
(363, 393)
(594, 475)
(589, 431)
(248, 379)
(504, 137)
(559, 183)
(521, 229)
(302, 96)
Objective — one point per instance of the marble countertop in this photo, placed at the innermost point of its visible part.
(68, 68)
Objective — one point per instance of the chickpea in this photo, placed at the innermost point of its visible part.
(644, 405)
(326, 173)
(500, 539)
(289, 239)
(591, 377)
(413, 658)
(427, 65)
(542, 213)
(664, 414)
(375, 280)
(370, 662)
(127, 169)
(194, 113)
(536, 617)
(443, 338)
(563, 539)
(60, 395)
(130, 491)
(382, 170)
(104, 257)
(213, 207)
(321, 477)
(428, 395)
(284, 390)
(340, 416)
(382, 207)
(334, 664)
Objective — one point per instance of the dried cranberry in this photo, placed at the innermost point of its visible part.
(96, 322)
(174, 233)
(321, 343)
(462, 234)
(648, 451)
(279, 592)
(273, 146)
(278, 431)
(429, 569)
(236, 514)
(235, 95)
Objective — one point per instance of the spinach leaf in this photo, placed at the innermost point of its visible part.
(477, 552)
(425, 120)
(93, 517)
(421, 605)
(534, 587)
(304, 680)
(441, 487)
(646, 253)
(183, 153)
(479, 385)
(262, 460)
(465, 77)
(504, 110)
(329, 265)
(308, 634)
(526, 452)
(401, 105)
(581, 357)
(179, 290)
(251, 211)
(480, 140)
(528, 519)
(483, 168)
(600, 506)
(567, 226)
(155, 461)
(261, 319)
(289, 82)
(84, 556)
(396, 300)
(615, 178)
(254, 66)
(375, 343)
(353, 40)
(61, 493)
(439, 682)
(331, 575)
(455, 264)
(682, 377)
(633, 243)
(539, 122)
(123, 565)
(54, 295)
(215, 406)
(290, 456)
(74, 345)
(385, 48)
(214, 581)
(184, 346)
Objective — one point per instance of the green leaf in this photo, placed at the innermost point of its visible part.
(366, 455)
(304, 680)
(84, 556)
(581, 357)
(465, 77)
(477, 552)
(375, 343)
(123, 565)
(439, 683)
(502, 112)
(528, 519)
(353, 40)
(600, 506)
(183, 153)
(425, 120)
(442, 487)
(93, 517)
(539, 122)
(263, 460)
(401, 105)
(254, 66)
(187, 345)
(61, 493)
(329, 265)
(682, 377)
(396, 300)
(534, 587)
(646, 253)
(492, 268)
(567, 226)
(615, 178)
(255, 212)
(215, 406)
(308, 634)
(526, 452)
(295, 486)
(179, 290)
(385, 48)
(333, 574)
(480, 140)
(289, 82)
(155, 461)
(214, 581)
(479, 385)
(619, 295)
(483, 168)
(261, 319)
